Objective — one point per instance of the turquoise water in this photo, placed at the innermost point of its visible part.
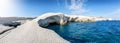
(89, 32)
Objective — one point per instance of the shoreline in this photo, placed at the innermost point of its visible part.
(33, 31)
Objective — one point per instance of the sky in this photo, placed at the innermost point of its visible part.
(33, 8)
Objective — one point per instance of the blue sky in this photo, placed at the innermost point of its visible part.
(33, 8)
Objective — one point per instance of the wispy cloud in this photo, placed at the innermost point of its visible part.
(66, 3)
(116, 12)
(77, 6)
(58, 3)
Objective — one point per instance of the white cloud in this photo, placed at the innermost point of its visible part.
(76, 6)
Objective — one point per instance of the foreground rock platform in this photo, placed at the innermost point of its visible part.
(33, 31)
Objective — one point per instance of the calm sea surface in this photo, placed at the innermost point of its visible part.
(89, 32)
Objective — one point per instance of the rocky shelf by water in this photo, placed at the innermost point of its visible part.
(62, 19)
(34, 31)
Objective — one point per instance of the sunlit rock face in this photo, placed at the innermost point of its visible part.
(57, 18)
(31, 32)
(62, 19)
(4, 29)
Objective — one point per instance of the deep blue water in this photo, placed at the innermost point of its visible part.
(89, 32)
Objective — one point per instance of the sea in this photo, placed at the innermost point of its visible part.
(89, 32)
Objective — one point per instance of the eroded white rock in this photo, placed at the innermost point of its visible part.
(62, 19)
(31, 32)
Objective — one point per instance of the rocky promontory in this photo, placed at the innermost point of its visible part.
(62, 19)
(33, 31)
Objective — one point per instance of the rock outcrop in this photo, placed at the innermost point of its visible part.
(32, 32)
(62, 19)
(48, 18)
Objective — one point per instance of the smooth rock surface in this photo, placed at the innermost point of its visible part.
(31, 32)
(62, 19)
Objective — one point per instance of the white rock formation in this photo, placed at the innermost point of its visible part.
(3, 28)
(47, 18)
(76, 18)
(31, 32)
(62, 19)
